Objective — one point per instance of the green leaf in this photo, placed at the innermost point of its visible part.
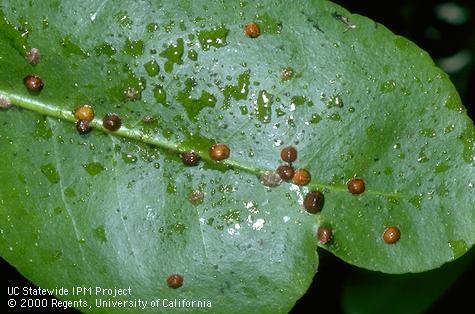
(111, 209)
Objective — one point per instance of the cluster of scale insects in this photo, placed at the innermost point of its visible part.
(313, 200)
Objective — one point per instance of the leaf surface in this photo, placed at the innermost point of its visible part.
(112, 208)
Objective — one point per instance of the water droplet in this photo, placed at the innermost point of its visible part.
(152, 27)
(100, 234)
(215, 37)
(334, 101)
(94, 168)
(173, 53)
(152, 68)
(387, 86)
(269, 24)
(467, 137)
(453, 102)
(70, 48)
(105, 48)
(427, 132)
(160, 94)
(50, 173)
(133, 48)
(123, 19)
(458, 247)
(416, 200)
(192, 55)
(264, 106)
(129, 158)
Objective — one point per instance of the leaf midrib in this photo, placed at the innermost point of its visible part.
(135, 134)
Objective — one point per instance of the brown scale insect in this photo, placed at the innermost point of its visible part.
(270, 179)
(175, 281)
(252, 30)
(85, 112)
(301, 177)
(219, 152)
(356, 186)
(83, 126)
(33, 56)
(5, 102)
(33, 83)
(313, 202)
(288, 154)
(324, 235)
(391, 235)
(190, 158)
(286, 172)
(112, 122)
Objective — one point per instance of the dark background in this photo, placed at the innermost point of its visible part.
(447, 31)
